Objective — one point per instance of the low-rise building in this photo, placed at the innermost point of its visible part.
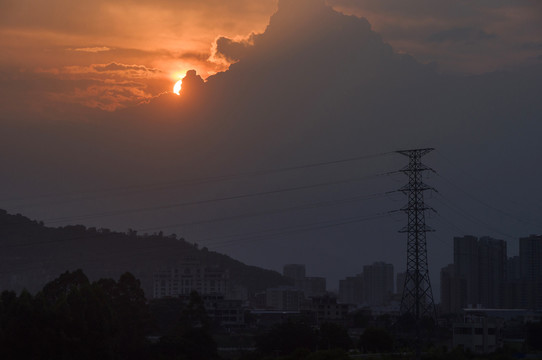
(326, 309)
(286, 298)
(477, 333)
(185, 277)
(224, 312)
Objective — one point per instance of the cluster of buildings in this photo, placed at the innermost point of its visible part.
(228, 305)
(483, 276)
(187, 276)
(373, 287)
(491, 296)
(497, 295)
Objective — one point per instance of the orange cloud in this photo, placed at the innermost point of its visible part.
(122, 40)
(93, 49)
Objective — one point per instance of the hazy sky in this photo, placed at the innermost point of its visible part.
(91, 132)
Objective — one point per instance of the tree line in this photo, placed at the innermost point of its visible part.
(73, 318)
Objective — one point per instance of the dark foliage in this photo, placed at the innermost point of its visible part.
(191, 338)
(72, 318)
(376, 340)
(534, 335)
(333, 336)
(285, 338)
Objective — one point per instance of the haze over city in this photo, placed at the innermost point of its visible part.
(280, 146)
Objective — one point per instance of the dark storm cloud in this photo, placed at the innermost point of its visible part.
(408, 24)
(232, 50)
(465, 35)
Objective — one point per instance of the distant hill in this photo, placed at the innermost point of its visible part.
(32, 254)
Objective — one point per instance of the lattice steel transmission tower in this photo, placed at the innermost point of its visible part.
(417, 300)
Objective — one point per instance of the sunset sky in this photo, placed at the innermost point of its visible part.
(110, 55)
(92, 132)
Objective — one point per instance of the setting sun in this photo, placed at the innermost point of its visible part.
(177, 87)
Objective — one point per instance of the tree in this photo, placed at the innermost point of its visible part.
(191, 338)
(533, 335)
(73, 319)
(376, 340)
(132, 316)
(61, 286)
(285, 338)
(333, 336)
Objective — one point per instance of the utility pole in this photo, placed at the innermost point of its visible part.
(417, 300)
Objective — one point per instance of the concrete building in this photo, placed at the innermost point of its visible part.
(378, 283)
(513, 268)
(351, 290)
(185, 277)
(311, 286)
(226, 313)
(286, 298)
(530, 255)
(453, 290)
(492, 279)
(466, 266)
(326, 309)
(479, 269)
(477, 333)
(491, 272)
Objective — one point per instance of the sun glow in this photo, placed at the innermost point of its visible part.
(177, 87)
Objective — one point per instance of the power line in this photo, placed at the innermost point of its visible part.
(206, 221)
(287, 231)
(503, 195)
(205, 201)
(446, 202)
(197, 181)
(270, 212)
(483, 203)
(234, 238)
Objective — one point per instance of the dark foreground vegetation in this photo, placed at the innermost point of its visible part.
(73, 318)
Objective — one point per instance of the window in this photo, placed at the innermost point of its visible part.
(463, 331)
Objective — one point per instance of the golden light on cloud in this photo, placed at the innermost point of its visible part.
(93, 49)
(177, 87)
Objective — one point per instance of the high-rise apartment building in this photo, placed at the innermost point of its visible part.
(489, 278)
(530, 255)
(466, 266)
(477, 276)
(374, 286)
(286, 298)
(453, 290)
(351, 290)
(378, 283)
(491, 272)
(310, 286)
